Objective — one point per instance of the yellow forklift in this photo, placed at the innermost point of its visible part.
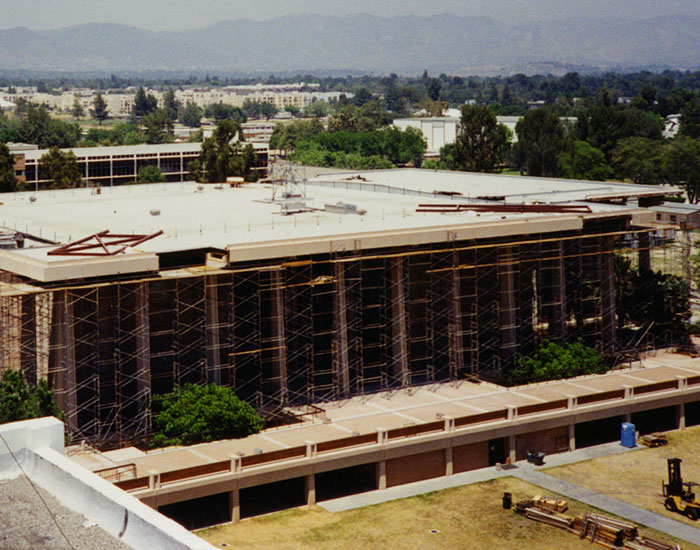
(680, 496)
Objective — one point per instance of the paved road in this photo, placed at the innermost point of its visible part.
(682, 531)
(529, 473)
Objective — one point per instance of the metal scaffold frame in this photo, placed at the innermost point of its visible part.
(307, 329)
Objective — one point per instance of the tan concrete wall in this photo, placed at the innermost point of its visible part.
(544, 441)
(470, 457)
(412, 468)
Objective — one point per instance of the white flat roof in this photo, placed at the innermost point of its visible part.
(246, 222)
(82, 152)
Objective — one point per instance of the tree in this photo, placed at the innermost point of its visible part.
(143, 104)
(639, 159)
(60, 168)
(39, 128)
(222, 155)
(8, 180)
(541, 141)
(690, 118)
(268, 110)
(77, 110)
(479, 140)
(554, 361)
(99, 108)
(191, 115)
(150, 174)
(681, 165)
(193, 414)
(293, 110)
(170, 104)
(221, 111)
(158, 127)
(584, 162)
(20, 401)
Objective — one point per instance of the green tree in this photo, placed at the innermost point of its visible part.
(144, 104)
(479, 140)
(170, 104)
(317, 109)
(39, 128)
(99, 108)
(158, 127)
(690, 118)
(77, 110)
(150, 174)
(554, 361)
(221, 111)
(682, 165)
(191, 115)
(8, 181)
(541, 140)
(293, 110)
(584, 162)
(223, 155)
(193, 414)
(268, 110)
(640, 159)
(60, 168)
(20, 401)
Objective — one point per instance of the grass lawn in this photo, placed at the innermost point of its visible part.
(466, 518)
(636, 477)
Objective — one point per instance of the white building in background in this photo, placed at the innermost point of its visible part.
(441, 131)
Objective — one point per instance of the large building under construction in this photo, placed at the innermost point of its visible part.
(292, 294)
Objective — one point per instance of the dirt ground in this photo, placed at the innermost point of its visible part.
(636, 477)
(468, 518)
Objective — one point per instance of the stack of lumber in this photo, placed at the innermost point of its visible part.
(602, 530)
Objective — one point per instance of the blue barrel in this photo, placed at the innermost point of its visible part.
(628, 435)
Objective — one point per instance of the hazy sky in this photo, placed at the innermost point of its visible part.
(180, 14)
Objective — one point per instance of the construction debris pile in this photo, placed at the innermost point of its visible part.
(602, 530)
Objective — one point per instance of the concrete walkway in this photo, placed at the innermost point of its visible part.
(532, 474)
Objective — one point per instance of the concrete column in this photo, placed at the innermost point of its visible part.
(382, 436)
(310, 487)
(143, 345)
(511, 449)
(153, 479)
(449, 424)
(629, 391)
(310, 449)
(557, 317)
(66, 381)
(342, 362)
(399, 329)
(680, 416)
(235, 504)
(449, 465)
(572, 437)
(512, 412)
(381, 474)
(607, 291)
(456, 343)
(506, 276)
(236, 464)
(644, 251)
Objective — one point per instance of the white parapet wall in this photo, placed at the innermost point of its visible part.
(38, 446)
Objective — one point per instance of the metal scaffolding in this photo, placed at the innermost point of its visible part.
(305, 329)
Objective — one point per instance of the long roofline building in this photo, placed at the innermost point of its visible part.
(290, 293)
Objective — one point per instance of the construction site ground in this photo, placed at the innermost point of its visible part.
(467, 517)
(636, 477)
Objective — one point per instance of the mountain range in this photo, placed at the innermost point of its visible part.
(405, 45)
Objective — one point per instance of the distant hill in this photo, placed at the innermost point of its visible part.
(410, 44)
